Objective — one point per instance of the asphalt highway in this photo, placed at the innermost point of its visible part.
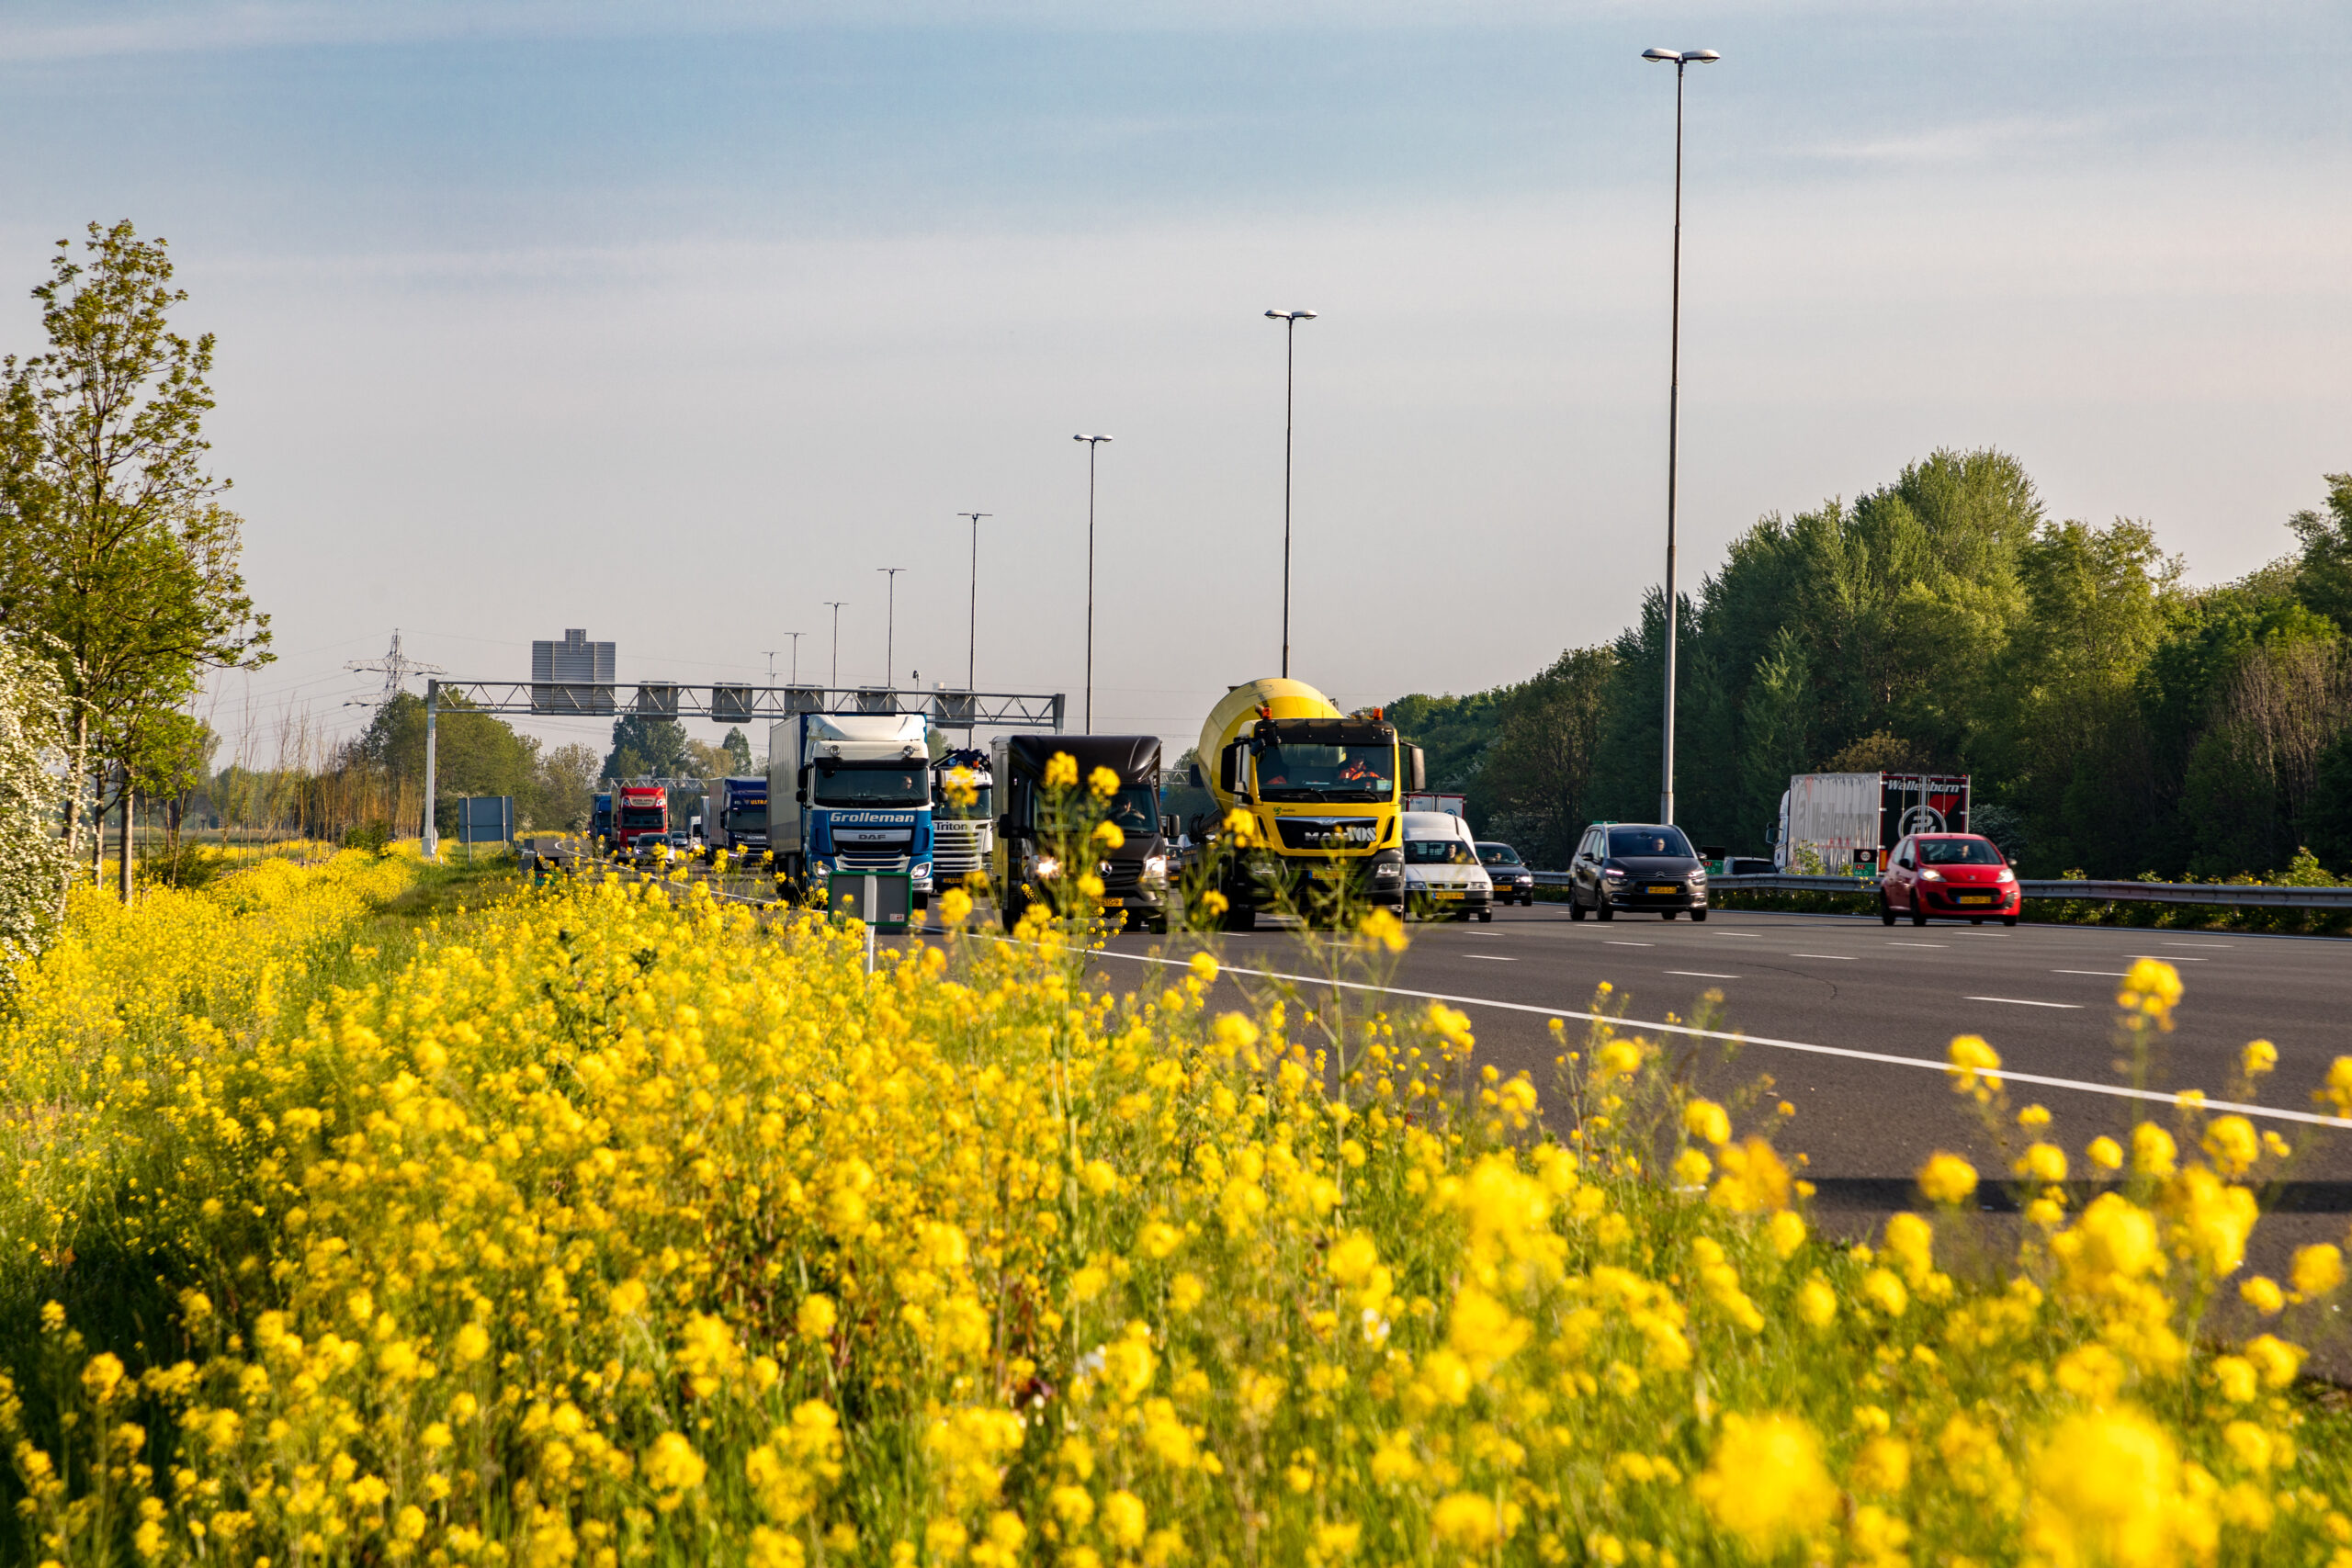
(1803, 989)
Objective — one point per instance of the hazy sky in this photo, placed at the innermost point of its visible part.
(673, 322)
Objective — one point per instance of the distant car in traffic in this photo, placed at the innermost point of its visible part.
(1510, 875)
(1442, 875)
(1961, 877)
(1636, 866)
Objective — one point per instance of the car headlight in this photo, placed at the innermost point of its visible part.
(1614, 872)
(1155, 868)
(1700, 874)
(1048, 867)
(2005, 875)
(1932, 877)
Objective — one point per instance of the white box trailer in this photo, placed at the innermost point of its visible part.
(1843, 824)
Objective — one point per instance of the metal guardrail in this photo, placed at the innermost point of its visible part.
(2221, 895)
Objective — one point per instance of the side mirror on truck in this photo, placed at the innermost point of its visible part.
(1417, 770)
(1233, 768)
(1193, 776)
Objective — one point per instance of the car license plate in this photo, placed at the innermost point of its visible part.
(1975, 898)
(1442, 893)
(1667, 887)
(1113, 903)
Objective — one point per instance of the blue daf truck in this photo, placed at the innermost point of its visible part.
(850, 792)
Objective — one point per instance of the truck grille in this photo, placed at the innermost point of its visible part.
(868, 860)
(956, 849)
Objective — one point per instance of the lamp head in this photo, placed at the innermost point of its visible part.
(1664, 56)
(1702, 56)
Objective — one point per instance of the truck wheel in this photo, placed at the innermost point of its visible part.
(1156, 927)
(1242, 917)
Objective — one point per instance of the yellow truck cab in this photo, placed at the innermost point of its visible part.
(1323, 791)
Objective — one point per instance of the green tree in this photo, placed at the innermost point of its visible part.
(2326, 580)
(563, 789)
(1538, 776)
(115, 552)
(648, 747)
(473, 753)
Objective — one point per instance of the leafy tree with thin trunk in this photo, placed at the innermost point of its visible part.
(114, 546)
(34, 861)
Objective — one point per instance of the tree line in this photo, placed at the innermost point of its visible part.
(2116, 719)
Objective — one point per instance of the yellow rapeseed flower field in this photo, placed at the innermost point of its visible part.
(615, 1225)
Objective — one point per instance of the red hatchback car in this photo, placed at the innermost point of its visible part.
(1958, 875)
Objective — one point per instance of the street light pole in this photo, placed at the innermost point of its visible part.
(837, 605)
(1290, 320)
(1092, 441)
(796, 660)
(890, 630)
(1682, 60)
(972, 637)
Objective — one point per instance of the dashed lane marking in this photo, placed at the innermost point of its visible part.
(1887, 1058)
(1918, 944)
(1702, 974)
(2110, 974)
(1840, 957)
(1491, 957)
(2022, 1002)
(1606, 941)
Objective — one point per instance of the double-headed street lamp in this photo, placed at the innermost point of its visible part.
(1290, 320)
(1679, 59)
(1092, 441)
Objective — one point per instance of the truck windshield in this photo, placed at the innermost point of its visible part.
(643, 816)
(752, 818)
(873, 784)
(1299, 770)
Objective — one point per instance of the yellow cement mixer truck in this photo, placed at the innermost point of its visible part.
(1322, 790)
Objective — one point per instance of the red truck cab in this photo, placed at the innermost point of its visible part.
(640, 812)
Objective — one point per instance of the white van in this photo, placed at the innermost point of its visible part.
(1443, 874)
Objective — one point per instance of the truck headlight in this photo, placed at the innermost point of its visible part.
(1048, 867)
(1387, 871)
(1155, 868)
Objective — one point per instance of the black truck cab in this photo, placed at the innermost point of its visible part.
(1025, 861)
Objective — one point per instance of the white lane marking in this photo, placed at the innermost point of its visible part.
(1840, 957)
(1605, 942)
(2022, 1002)
(2176, 958)
(2115, 1091)
(1491, 957)
(1702, 974)
(1918, 944)
(2197, 944)
(2110, 974)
